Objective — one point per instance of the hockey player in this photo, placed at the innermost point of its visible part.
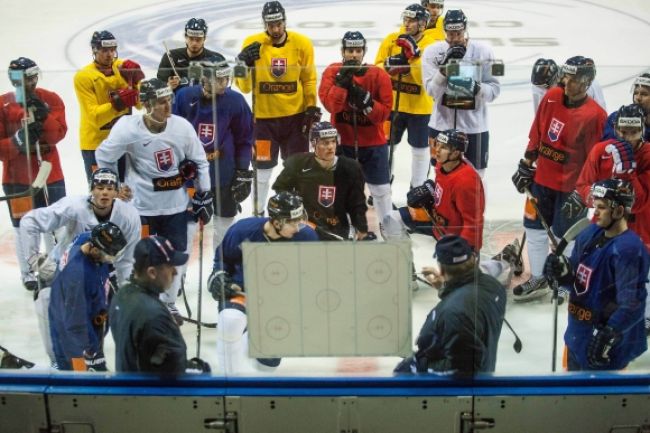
(359, 98)
(106, 90)
(546, 74)
(461, 334)
(641, 96)
(176, 77)
(567, 125)
(224, 124)
(461, 100)
(331, 186)
(606, 276)
(147, 339)
(80, 299)
(282, 76)
(285, 223)
(32, 122)
(399, 55)
(434, 26)
(161, 149)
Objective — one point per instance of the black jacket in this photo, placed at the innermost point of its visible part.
(147, 339)
(181, 63)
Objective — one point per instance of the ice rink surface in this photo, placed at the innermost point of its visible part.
(56, 35)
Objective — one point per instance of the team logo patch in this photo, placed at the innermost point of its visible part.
(326, 195)
(278, 67)
(554, 129)
(437, 195)
(164, 159)
(206, 133)
(583, 276)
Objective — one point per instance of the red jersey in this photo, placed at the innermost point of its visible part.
(370, 127)
(562, 137)
(599, 166)
(459, 204)
(54, 129)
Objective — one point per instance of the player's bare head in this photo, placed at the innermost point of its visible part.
(157, 98)
(435, 8)
(286, 214)
(455, 26)
(613, 195)
(215, 74)
(353, 46)
(196, 30)
(630, 123)
(455, 257)
(415, 18)
(24, 72)
(275, 20)
(641, 91)
(104, 47)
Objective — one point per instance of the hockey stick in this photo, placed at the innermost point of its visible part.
(518, 345)
(196, 322)
(254, 162)
(391, 135)
(549, 233)
(198, 308)
(321, 230)
(434, 226)
(184, 81)
(355, 133)
(9, 360)
(519, 254)
(38, 184)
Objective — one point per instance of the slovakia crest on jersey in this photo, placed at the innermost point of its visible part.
(206, 133)
(437, 195)
(164, 159)
(278, 67)
(583, 276)
(326, 195)
(554, 129)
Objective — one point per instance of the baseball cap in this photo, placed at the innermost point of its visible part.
(452, 250)
(157, 250)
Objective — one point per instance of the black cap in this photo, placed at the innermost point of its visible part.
(155, 251)
(453, 250)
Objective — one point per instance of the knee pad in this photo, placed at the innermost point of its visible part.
(232, 324)
(219, 227)
(381, 199)
(419, 165)
(537, 247)
(392, 226)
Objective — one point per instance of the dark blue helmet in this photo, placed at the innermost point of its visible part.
(631, 115)
(196, 27)
(28, 66)
(152, 89)
(581, 67)
(618, 191)
(455, 19)
(285, 206)
(103, 39)
(416, 11)
(108, 238)
(273, 11)
(320, 130)
(353, 40)
(454, 139)
(104, 176)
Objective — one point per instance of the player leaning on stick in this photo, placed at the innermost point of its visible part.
(606, 276)
(32, 122)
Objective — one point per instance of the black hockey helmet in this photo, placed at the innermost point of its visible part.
(108, 238)
(432, 2)
(631, 115)
(214, 65)
(416, 11)
(102, 39)
(196, 27)
(28, 66)
(453, 139)
(321, 130)
(545, 73)
(581, 67)
(286, 206)
(104, 176)
(618, 191)
(455, 19)
(273, 11)
(353, 39)
(153, 89)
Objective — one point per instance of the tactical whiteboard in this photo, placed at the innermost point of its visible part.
(328, 298)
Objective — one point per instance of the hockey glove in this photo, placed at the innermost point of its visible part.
(197, 366)
(574, 207)
(523, 177)
(32, 131)
(124, 98)
(188, 169)
(406, 365)
(131, 72)
(623, 154)
(409, 46)
(397, 65)
(202, 206)
(343, 77)
(463, 87)
(221, 286)
(43, 267)
(311, 116)
(38, 108)
(360, 98)
(95, 361)
(370, 236)
(558, 268)
(421, 196)
(456, 52)
(250, 54)
(602, 341)
(242, 183)
(9, 360)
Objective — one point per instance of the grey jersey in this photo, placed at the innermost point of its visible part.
(152, 161)
(72, 215)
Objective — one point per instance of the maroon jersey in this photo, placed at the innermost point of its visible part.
(562, 137)
(599, 166)
(370, 127)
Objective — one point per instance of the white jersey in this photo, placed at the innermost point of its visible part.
(469, 121)
(595, 91)
(72, 215)
(152, 161)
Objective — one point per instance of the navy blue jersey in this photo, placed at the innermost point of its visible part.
(230, 140)
(609, 131)
(78, 304)
(609, 289)
(228, 256)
